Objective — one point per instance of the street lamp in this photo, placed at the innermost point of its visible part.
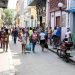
(60, 5)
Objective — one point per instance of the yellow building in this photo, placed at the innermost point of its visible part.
(30, 16)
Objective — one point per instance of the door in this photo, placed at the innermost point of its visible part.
(58, 21)
(40, 21)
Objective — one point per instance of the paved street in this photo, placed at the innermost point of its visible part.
(40, 63)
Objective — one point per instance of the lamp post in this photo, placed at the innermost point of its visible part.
(60, 5)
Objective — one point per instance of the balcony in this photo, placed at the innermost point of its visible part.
(3, 3)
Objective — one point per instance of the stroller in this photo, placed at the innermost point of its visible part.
(63, 50)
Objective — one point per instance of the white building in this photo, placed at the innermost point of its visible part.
(64, 18)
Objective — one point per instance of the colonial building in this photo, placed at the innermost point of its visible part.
(19, 15)
(56, 12)
(64, 17)
(41, 11)
(30, 15)
(58, 15)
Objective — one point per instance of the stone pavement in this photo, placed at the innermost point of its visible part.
(39, 63)
(6, 63)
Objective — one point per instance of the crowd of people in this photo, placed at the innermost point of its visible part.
(32, 35)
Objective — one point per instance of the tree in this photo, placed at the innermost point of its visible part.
(9, 16)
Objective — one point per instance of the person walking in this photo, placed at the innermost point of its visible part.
(50, 35)
(54, 37)
(58, 35)
(23, 40)
(42, 39)
(34, 40)
(5, 40)
(15, 35)
(30, 34)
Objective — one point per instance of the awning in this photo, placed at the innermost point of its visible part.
(70, 10)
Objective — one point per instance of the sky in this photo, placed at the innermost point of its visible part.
(12, 4)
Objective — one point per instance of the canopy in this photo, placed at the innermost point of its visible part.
(70, 10)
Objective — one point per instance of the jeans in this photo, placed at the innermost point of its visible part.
(15, 38)
(33, 46)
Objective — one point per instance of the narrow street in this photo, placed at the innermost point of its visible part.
(50, 21)
(39, 63)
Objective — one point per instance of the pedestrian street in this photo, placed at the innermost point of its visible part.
(38, 63)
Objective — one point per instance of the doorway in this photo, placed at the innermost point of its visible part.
(58, 21)
(40, 21)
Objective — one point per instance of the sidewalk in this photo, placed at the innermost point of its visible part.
(55, 51)
(6, 64)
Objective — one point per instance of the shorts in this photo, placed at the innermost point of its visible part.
(42, 42)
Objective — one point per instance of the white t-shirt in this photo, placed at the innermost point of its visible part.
(67, 34)
(54, 33)
(42, 36)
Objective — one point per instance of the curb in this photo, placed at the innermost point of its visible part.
(52, 50)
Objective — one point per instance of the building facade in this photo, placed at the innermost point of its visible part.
(64, 18)
(59, 17)
(40, 10)
(19, 15)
